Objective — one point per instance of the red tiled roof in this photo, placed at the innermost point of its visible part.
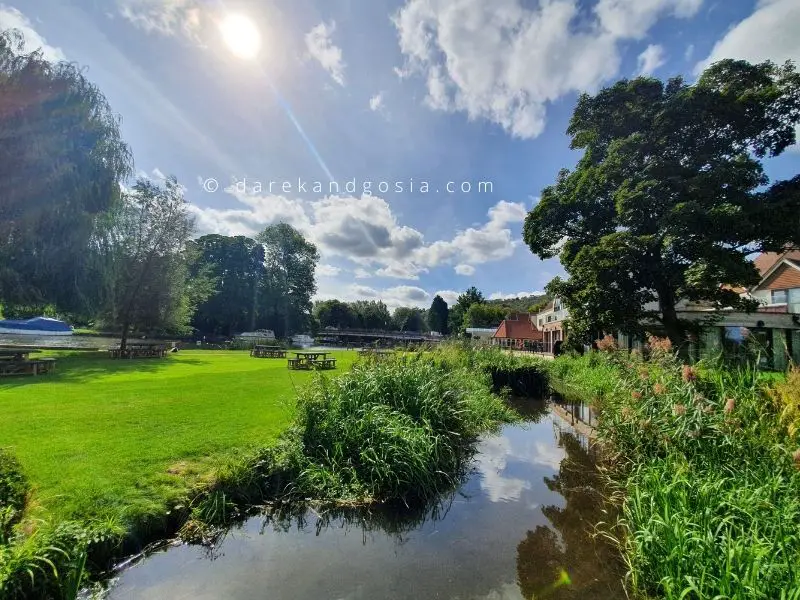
(518, 330)
(764, 262)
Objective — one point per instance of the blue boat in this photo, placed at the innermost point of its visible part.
(35, 326)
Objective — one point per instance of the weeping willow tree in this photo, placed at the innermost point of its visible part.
(61, 161)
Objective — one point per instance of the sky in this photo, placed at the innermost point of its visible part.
(407, 139)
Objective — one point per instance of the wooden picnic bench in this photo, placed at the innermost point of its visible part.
(20, 364)
(139, 350)
(259, 351)
(306, 361)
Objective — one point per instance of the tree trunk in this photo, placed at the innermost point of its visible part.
(669, 316)
(123, 343)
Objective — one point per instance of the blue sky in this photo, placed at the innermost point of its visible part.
(434, 91)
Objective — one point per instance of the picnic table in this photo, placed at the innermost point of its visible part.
(17, 361)
(305, 361)
(140, 350)
(260, 351)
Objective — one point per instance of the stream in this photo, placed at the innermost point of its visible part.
(518, 528)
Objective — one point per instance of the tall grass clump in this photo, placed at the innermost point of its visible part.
(707, 475)
(395, 430)
(38, 559)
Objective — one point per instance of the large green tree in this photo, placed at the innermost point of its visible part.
(670, 197)
(289, 282)
(61, 161)
(147, 260)
(438, 315)
(373, 314)
(335, 313)
(237, 266)
(484, 316)
(408, 318)
(456, 318)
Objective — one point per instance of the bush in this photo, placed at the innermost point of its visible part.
(786, 396)
(13, 493)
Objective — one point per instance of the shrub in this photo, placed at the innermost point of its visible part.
(786, 396)
(13, 493)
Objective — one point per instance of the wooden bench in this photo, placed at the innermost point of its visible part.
(36, 366)
(139, 351)
(298, 364)
(268, 352)
(325, 364)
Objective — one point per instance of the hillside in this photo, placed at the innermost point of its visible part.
(518, 304)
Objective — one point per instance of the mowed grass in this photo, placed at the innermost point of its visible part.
(103, 438)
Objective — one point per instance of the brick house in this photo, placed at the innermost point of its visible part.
(517, 331)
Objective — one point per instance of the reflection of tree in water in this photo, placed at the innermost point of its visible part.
(395, 519)
(530, 409)
(586, 568)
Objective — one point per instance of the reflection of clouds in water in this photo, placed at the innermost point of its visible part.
(493, 457)
(549, 456)
(507, 591)
(495, 453)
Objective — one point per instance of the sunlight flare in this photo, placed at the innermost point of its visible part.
(241, 35)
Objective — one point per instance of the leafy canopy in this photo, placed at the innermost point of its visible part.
(670, 197)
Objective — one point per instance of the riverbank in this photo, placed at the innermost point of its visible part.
(122, 452)
(704, 464)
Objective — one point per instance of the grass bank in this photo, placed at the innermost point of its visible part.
(704, 463)
(114, 453)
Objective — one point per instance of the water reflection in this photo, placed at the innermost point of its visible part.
(520, 515)
(556, 561)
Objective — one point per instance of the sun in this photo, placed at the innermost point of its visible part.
(241, 36)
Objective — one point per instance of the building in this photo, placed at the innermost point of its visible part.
(481, 334)
(779, 288)
(772, 332)
(550, 321)
(518, 331)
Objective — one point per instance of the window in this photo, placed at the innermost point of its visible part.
(780, 296)
(794, 300)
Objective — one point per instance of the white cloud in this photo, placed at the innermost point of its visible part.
(504, 62)
(366, 232)
(634, 18)
(324, 51)
(401, 271)
(393, 297)
(166, 17)
(11, 18)
(502, 296)
(328, 270)
(770, 33)
(651, 59)
(466, 270)
(689, 52)
(376, 102)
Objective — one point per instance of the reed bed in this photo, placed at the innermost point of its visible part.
(704, 462)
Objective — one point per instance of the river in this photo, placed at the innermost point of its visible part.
(516, 529)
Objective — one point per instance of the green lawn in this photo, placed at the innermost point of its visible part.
(103, 437)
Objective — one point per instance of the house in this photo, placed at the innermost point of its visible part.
(779, 288)
(550, 321)
(773, 331)
(517, 331)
